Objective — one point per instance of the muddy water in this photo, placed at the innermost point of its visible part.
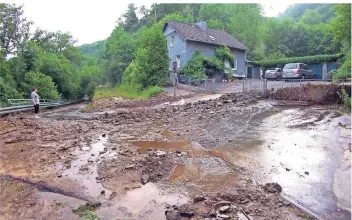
(84, 168)
(147, 202)
(300, 149)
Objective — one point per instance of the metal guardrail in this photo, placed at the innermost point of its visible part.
(23, 102)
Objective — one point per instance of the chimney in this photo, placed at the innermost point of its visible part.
(202, 25)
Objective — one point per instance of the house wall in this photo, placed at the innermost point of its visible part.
(209, 50)
(179, 47)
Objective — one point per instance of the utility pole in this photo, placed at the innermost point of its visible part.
(155, 11)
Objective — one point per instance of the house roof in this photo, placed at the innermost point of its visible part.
(192, 32)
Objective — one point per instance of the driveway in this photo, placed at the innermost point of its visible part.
(257, 84)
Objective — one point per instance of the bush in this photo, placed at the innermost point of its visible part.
(306, 59)
(195, 66)
(44, 84)
(344, 71)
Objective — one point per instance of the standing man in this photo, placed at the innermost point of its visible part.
(35, 101)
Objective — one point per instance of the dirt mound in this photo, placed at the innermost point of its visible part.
(118, 102)
(320, 94)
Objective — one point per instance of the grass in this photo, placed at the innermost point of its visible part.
(86, 211)
(127, 91)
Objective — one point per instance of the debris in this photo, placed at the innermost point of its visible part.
(85, 148)
(222, 203)
(144, 178)
(160, 153)
(224, 209)
(172, 215)
(130, 166)
(272, 187)
(243, 216)
(198, 199)
(223, 216)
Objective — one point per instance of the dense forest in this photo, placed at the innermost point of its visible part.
(135, 54)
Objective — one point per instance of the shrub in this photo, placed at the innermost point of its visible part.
(306, 59)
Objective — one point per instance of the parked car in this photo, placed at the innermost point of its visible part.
(273, 73)
(298, 71)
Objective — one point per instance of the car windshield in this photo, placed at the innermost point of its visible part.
(271, 69)
(291, 66)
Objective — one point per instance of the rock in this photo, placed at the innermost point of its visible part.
(200, 117)
(102, 192)
(198, 199)
(103, 135)
(172, 215)
(130, 166)
(59, 175)
(85, 148)
(307, 173)
(286, 203)
(98, 178)
(106, 114)
(160, 153)
(288, 169)
(229, 140)
(188, 213)
(223, 216)
(272, 187)
(92, 155)
(224, 209)
(222, 203)
(144, 178)
(211, 112)
(114, 148)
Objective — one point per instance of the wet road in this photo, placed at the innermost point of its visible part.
(301, 149)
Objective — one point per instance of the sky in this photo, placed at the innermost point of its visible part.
(89, 21)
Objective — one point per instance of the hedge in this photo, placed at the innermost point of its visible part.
(307, 60)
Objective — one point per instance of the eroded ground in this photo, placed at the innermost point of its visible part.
(204, 159)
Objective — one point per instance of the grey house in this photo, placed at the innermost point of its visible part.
(184, 39)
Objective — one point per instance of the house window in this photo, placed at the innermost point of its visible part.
(234, 64)
(172, 41)
(178, 61)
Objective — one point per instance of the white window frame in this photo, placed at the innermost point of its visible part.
(172, 39)
(235, 64)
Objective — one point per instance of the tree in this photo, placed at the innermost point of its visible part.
(151, 63)
(62, 73)
(8, 87)
(118, 53)
(14, 28)
(342, 23)
(44, 84)
(129, 21)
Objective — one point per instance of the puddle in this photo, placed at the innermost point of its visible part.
(84, 168)
(161, 145)
(302, 159)
(147, 202)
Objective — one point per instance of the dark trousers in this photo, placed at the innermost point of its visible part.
(36, 108)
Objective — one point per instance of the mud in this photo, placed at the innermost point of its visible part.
(321, 94)
(142, 162)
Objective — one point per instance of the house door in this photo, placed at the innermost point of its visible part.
(249, 72)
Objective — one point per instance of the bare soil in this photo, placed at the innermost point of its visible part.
(144, 163)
